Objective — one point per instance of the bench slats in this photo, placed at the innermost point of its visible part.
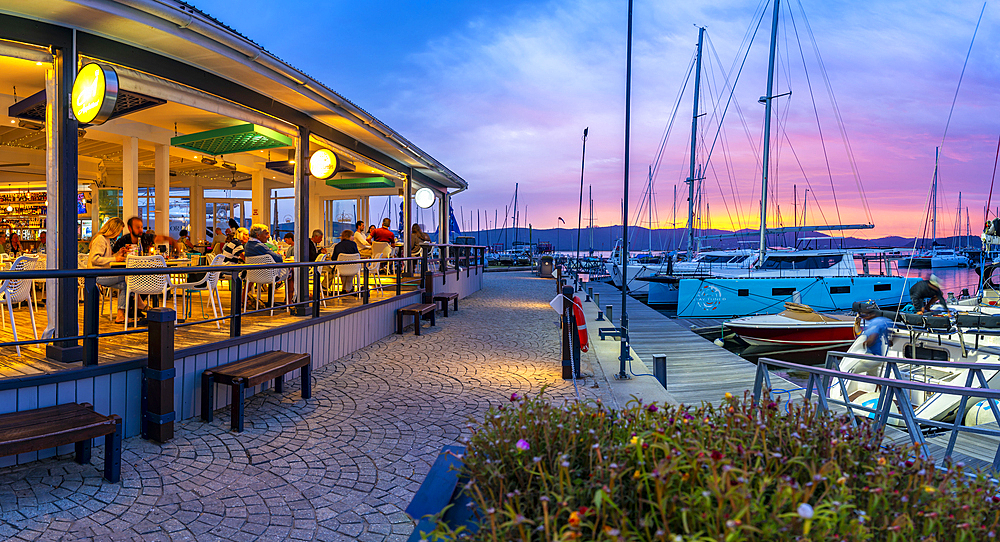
(34, 430)
(73, 423)
(258, 369)
(417, 310)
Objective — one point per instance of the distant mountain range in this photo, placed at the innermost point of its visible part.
(564, 239)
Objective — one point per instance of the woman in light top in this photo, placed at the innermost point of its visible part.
(417, 239)
(101, 256)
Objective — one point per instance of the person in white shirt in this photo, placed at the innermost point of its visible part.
(364, 247)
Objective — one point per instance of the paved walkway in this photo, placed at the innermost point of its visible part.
(342, 467)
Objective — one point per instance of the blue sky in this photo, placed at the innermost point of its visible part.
(501, 91)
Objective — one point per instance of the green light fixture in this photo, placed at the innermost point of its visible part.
(241, 138)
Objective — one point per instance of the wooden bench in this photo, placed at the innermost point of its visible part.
(73, 423)
(444, 298)
(417, 310)
(250, 372)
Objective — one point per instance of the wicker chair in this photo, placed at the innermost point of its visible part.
(152, 284)
(270, 276)
(17, 290)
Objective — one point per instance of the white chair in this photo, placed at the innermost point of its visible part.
(270, 276)
(350, 271)
(40, 265)
(15, 291)
(324, 274)
(380, 250)
(145, 284)
(209, 283)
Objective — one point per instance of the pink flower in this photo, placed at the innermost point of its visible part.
(523, 445)
(652, 408)
(514, 397)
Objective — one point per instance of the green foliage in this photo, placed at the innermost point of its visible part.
(727, 472)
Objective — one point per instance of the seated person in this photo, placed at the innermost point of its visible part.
(345, 246)
(290, 242)
(233, 250)
(314, 245)
(255, 246)
(417, 240)
(185, 241)
(364, 246)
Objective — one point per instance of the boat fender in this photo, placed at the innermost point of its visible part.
(581, 323)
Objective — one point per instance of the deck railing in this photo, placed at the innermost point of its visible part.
(893, 389)
(411, 272)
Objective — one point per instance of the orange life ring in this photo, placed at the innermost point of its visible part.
(581, 322)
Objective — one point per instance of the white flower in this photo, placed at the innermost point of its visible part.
(805, 511)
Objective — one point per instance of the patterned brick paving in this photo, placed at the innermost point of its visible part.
(341, 467)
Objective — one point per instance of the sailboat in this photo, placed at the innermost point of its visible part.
(825, 279)
(936, 256)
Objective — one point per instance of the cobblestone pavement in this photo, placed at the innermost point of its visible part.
(341, 467)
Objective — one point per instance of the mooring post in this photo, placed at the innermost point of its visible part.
(569, 329)
(607, 312)
(158, 377)
(590, 293)
(660, 369)
(597, 299)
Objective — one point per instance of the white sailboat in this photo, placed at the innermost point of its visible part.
(936, 257)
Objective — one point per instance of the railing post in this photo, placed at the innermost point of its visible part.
(468, 261)
(558, 279)
(317, 290)
(365, 291)
(399, 276)
(423, 265)
(91, 320)
(158, 377)
(428, 296)
(235, 304)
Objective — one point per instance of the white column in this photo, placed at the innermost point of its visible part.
(95, 207)
(258, 198)
(161, 165)
(197, 213)
(317, 218)
(130, 177)
(52, 197)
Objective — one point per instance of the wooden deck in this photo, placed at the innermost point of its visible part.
(32, 360)
(697, 369)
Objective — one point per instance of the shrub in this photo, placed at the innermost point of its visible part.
(541, 471)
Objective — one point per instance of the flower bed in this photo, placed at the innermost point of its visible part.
(541, 471)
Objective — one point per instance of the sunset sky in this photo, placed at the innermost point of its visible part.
(500, 92)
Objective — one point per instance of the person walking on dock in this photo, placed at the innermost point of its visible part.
(924, 293)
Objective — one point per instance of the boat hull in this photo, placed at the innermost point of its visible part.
(735, 297)
(795, 333)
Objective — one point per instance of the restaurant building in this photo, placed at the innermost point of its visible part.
(152, 108)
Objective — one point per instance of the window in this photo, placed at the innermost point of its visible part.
(883, 287)
(824, 261)
(743, 292)
(782, 291)
(840, 289)
(934, 354)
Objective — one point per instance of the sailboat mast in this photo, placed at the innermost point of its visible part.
(579, 216)
(650, 232)
(590, 192)
(515, 217)
(937, 151)
(694, 146)
(768, 98)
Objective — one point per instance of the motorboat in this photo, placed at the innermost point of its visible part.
(640, 265)
(938, 337)
(796, 325)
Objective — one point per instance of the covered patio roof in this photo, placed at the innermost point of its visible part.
(178, 31)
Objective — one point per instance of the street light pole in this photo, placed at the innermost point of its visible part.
(622, 375)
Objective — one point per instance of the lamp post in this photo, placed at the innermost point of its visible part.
(579, 216)
(624, 356)
(558, 231)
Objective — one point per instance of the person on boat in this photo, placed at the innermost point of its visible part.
(876, 329)
(924, 293)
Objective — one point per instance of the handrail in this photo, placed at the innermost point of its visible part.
(892, 390)
(922, 362)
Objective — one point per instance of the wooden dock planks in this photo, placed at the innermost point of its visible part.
(697, 369)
